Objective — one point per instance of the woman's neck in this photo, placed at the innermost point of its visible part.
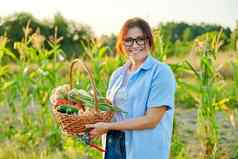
(135, 64)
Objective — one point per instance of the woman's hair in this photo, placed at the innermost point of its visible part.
(131, 23)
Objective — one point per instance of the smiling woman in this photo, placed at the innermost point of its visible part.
(145, 88)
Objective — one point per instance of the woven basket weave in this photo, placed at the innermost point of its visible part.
(75, 124)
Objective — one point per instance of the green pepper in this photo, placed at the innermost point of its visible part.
(67, 109)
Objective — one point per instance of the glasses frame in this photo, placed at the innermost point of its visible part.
(135, 40)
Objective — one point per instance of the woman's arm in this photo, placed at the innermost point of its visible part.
(148, 121)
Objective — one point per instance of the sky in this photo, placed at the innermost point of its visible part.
(107, 16)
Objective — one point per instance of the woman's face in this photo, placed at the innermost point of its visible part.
(136, 44)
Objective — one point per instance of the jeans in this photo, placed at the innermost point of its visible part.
(115, 145)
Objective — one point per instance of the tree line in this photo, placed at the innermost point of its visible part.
(178, 36)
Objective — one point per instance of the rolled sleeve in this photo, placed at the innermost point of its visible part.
(162, 92)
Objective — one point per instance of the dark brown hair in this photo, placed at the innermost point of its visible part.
(131, 23)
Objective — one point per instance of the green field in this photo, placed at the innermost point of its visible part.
(205, 124)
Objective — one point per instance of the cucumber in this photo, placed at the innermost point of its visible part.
(82, 96)
(79, 95)
(67, 109)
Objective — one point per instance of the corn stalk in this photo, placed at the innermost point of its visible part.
(206, 95)
(161, 47)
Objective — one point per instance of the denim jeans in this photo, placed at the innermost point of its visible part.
(115, 145)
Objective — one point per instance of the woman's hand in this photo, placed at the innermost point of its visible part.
(97, 132)
(98, 129)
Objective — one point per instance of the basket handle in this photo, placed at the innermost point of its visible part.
(90, 78)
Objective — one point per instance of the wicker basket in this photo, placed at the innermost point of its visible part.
(75, 124)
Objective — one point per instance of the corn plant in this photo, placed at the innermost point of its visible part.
(4, 51)
(27, 91)
(4, 69)
(235, 83)
(161, 48)
(206, 94)
(101, 65)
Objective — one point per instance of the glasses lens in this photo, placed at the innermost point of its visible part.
(140, 41)
(130, 41)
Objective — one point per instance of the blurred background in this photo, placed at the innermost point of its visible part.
(39, 39)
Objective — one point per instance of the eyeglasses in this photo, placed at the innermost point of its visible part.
(128, 42)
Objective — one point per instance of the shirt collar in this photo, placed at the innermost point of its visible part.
(148, 63)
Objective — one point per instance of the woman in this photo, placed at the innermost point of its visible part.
(145, 88)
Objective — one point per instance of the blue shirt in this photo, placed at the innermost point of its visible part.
(151, 85)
